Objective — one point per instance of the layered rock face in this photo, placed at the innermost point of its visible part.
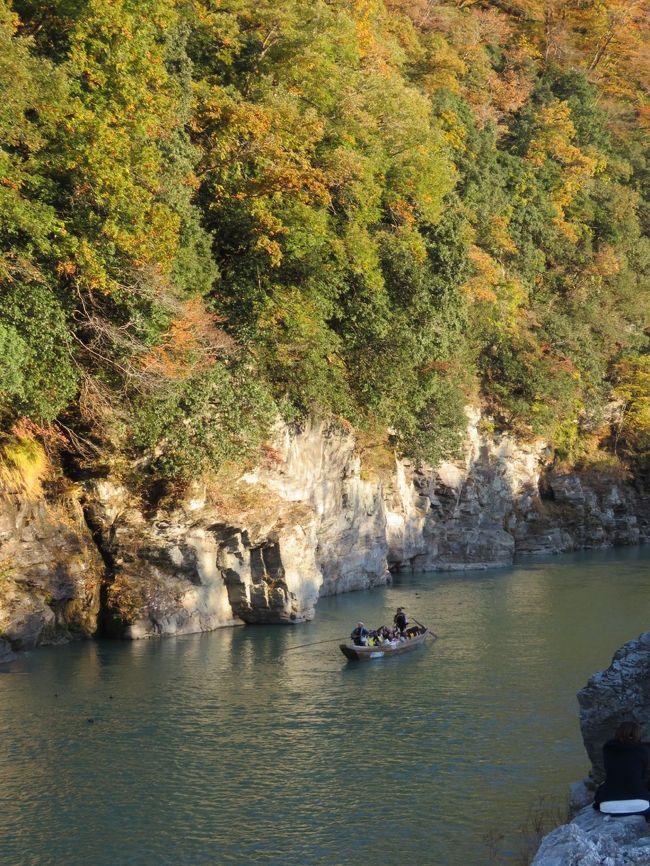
(502, 499)
(191, 568)
(302, 525)
(312, 520)
(320, 467)
(50, 571)
(470, 508)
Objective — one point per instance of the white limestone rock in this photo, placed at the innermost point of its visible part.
(323, 524)
(190, 569)
(313, 520)
(320, 467)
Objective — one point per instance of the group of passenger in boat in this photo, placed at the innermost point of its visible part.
(361, 636)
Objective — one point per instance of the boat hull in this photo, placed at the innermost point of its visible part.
(369, 653)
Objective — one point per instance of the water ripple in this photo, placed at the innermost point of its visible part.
(220, 749)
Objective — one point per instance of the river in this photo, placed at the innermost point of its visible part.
(233, 748)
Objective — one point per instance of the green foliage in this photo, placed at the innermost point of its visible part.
(218, 417)
(36, 374)
(14, 355)
(42, 379)
(387, 211)
(632, 387)
(304, 216)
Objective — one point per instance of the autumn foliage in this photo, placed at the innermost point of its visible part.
(380, 210)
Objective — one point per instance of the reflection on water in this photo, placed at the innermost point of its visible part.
(233, 748)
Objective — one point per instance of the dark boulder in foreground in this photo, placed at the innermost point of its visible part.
(620, 693)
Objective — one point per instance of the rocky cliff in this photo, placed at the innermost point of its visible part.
(316, 517)
(303, 524)
(195, 567)
(504, 498)
(50, 568)
(620, 693)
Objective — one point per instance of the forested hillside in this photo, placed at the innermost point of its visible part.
(381, 210)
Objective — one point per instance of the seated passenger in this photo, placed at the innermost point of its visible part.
(627, 761)
(359, 635)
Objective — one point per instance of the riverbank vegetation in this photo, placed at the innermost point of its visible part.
(213, 213)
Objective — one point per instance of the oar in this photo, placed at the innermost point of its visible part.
(316, 643)
(433, 634)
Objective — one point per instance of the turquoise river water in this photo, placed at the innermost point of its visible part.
(233, 748)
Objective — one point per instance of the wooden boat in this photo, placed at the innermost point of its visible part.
(366, 653)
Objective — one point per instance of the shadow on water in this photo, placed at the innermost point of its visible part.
(239, 747)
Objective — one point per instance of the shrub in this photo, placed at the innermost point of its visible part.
(222, 415)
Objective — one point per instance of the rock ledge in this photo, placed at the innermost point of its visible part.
(592, 839)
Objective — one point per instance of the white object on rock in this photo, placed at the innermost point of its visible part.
(624, 807)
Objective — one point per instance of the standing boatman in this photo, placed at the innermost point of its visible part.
(400, 620)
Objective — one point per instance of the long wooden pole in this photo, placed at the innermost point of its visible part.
(301, 645)
(424, 626)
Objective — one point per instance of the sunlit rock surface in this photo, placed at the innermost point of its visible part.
(319, 466)
(320, 515)
(314, 521)
(407, 503)
(191, 568)
(501, 499)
